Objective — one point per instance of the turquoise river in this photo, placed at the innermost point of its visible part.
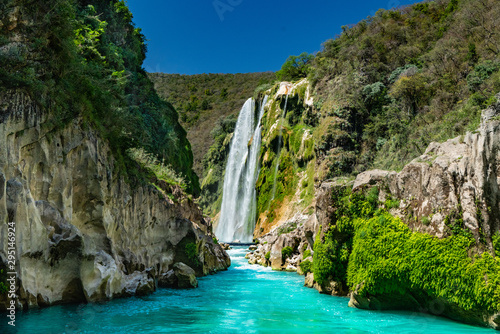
(244, 299)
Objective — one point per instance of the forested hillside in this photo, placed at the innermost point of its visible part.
(205, 100)
(391, 84)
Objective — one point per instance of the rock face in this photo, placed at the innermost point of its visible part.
(459, 177)
(299, 234)
(82, 232)
(270, 247)
(181, 276)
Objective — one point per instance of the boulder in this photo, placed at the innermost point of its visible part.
(186, 277)
(139, 284)
(167, 279)
(370, 177)
(309, 280)
(181, 276)
(331, 288)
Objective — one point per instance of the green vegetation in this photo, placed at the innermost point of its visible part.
(306, 267)
(307, 253)
(391, 84)
(268, 255)
(388, 258)
(81, 60)
(160, 171)
(191, 250)
(496, 243)
(391, 203)
(426, 220)
(214, 165)
(286, 252)
(295, 67)
(331, 255)
(375, 253)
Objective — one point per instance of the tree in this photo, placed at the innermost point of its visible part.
(224, 93)
(295, 67)
(412, 90)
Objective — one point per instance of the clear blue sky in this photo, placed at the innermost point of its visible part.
(239, 36)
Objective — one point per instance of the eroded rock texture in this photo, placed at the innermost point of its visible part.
(82, 232)
(459, 177)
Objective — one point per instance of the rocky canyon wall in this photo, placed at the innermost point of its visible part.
(82, 232)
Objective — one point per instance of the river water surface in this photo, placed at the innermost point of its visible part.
(244, 299)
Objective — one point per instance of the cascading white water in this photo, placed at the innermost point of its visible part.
(280, 138)
(237, 216)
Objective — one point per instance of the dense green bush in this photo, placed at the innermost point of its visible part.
(331, 255)
(306, 267)
(295, 67)
(388, 258)
(286, 252)
(480, 74)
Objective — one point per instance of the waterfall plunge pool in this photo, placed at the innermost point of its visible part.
(244, 299)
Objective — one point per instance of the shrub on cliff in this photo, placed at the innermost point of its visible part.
(295, 67)
(286, 252)
(306, 267)
(385, 258)
(331, 255)
(85, 60)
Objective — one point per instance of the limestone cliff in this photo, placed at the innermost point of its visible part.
(288, 161)
(82, 232)
(459, 177)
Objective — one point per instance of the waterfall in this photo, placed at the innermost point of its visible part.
(279, 148)
(237, 216)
